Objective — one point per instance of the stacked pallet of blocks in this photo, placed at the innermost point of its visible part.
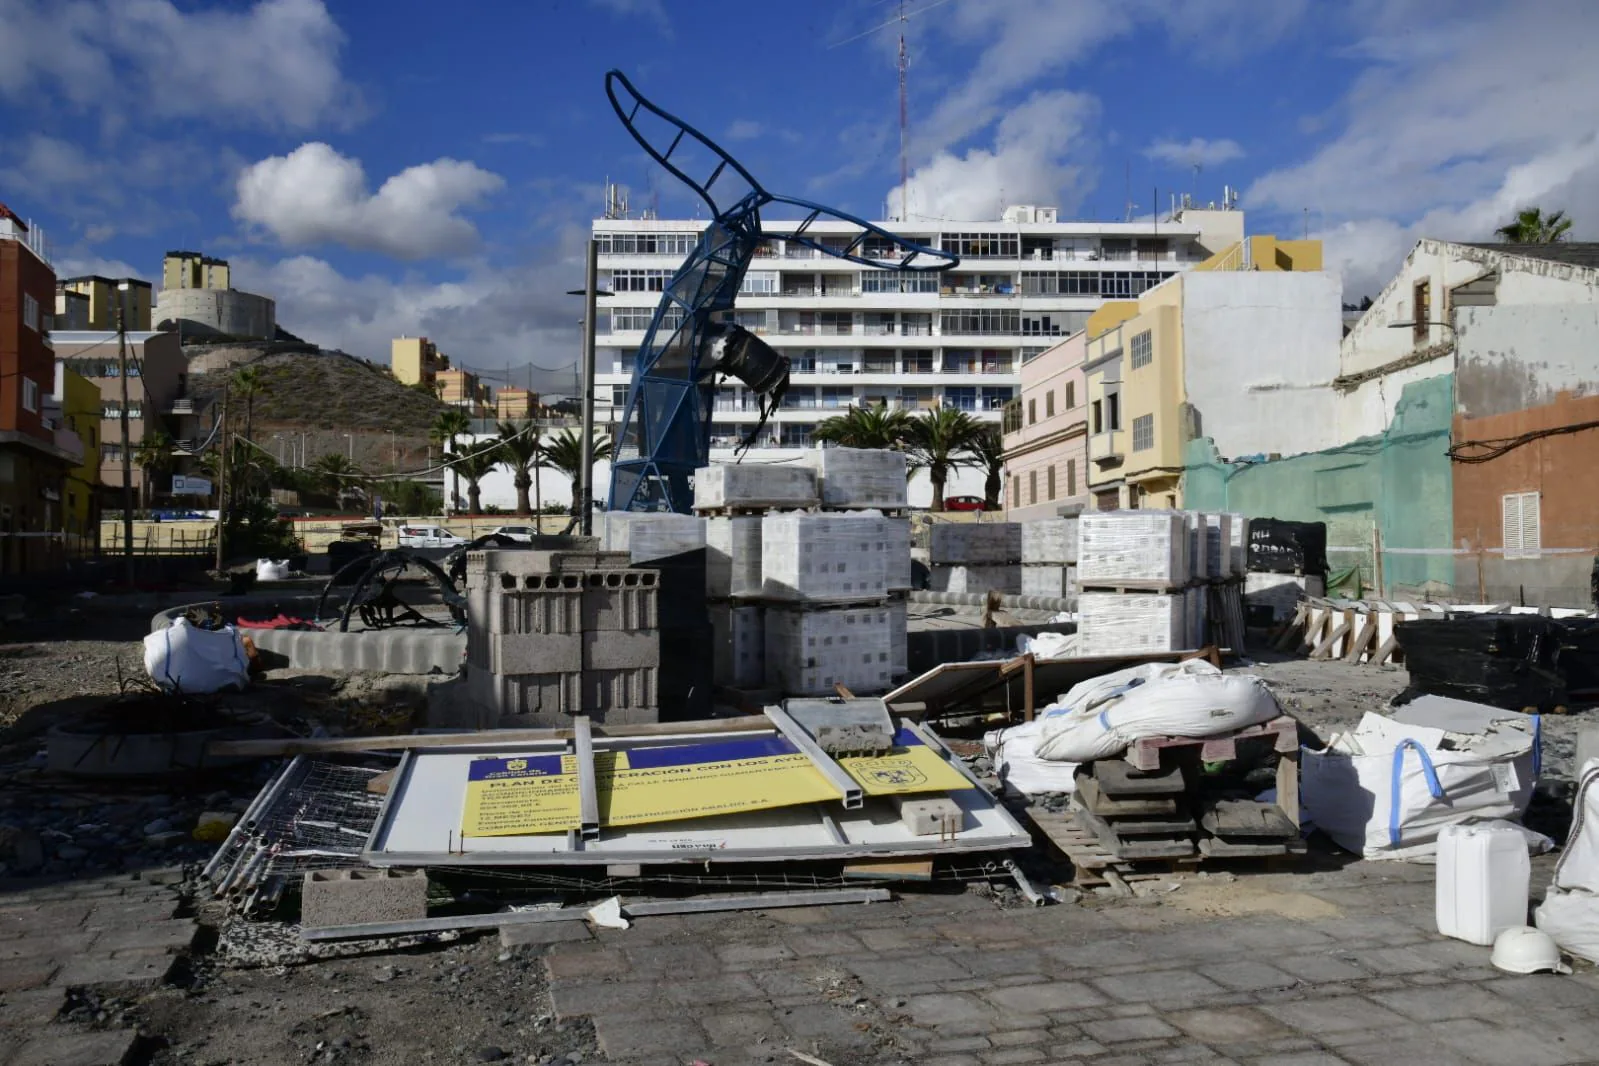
(1049, 558)
(976, 557)
(552, 634)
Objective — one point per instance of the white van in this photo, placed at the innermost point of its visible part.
(429, 537)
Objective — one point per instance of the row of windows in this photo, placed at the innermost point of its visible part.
(97, 368)
(983, 245)
(1116, 284)
(901, 281)
(113, 409)
(30, 312)
(1069, 395)
(646, 243)
(1052, 484)
(639, 280)
(627, 319)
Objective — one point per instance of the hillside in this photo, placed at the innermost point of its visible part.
(333, 390)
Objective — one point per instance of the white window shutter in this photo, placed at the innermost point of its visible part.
(1512, 525)
(1531, 524)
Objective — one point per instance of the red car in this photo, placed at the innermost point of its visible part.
(965, 503)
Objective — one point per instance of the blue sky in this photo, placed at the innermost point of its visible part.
(399, 166)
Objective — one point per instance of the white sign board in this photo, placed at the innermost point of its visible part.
(190, 486)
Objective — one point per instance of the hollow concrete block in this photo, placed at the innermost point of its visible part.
(354, 897)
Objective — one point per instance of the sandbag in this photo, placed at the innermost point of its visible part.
(1100, 717)
(271, 570)
(1384, 790)
(1570, 910)
(184, 658)
(1017, 763)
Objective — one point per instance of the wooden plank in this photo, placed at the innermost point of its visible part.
(1362, 641)
(1247, 818)
(1321, 650)
(1120, 781)
(889, 870)
(503, 737)
(1124, 849)
(1216, 848)
(1288, 784)
(1100, 803)
(1382, 654)
(380, 784)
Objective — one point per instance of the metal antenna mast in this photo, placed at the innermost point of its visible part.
(904, 125)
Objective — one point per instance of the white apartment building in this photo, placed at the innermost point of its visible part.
(915, 341)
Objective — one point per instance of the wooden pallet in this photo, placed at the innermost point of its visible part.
(1092, 865)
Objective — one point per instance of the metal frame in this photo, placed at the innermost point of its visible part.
(672, 394)
(588, 796)
(849, 789)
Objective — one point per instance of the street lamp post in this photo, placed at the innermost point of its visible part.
(127, 448)
(584, 490)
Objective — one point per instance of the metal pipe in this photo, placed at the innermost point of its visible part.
(978, 599)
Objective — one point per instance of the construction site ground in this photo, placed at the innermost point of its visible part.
(108, 956)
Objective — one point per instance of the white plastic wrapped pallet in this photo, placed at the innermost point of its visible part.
(898, 638)
(1281, 592)
(1141, 547)
(897, 535)
(1049, 580)
(754, 485)
(732, 556)
(859, 477)
(1199, 534)
(1385, 789)
(1049, 540)
(1218, 545)
(1570, 910)
(824, 558)
(1100, 717)
(1238, 531)
(739, 633)
(976, 579)
(649, 535)
(808, 651)
(1121, 623)
(975, 543)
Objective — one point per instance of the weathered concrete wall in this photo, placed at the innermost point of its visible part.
(1398, 482)
(221, 311)
(1260, 351)
(1564, 470)
(1512, 358)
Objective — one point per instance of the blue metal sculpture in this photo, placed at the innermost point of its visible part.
(666, 427)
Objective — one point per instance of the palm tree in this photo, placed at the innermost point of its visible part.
(154, 455)
(866, 427)
(1532, 226)
(943, 439)
(988, 452)
(565, 454)
(523, 451)
(475, 465)
(447, 425)
(248, 383)
(333, 472)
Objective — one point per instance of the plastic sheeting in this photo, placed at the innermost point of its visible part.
(755, 485)
(1100, 717)
(1048, 645)
(1509, 661)
(860, 477)
(1013, 753)
(183, 658)
(648, 536)
(1279, 547)
(1050, 540)
(810, 651)
(1049, 580)
(1570, 910)
(1219, 558)
(976, 579)
(1384, 790)
(975, 543)
(733, 556)
(1201, 565)
(821, 558)
(1117, 623)
(1143, 547)
(272, 570)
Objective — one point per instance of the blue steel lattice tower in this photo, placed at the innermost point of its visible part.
(666, 426)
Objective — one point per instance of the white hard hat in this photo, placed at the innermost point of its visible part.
(1523, 949)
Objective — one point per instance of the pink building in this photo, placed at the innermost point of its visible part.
(1046, 435)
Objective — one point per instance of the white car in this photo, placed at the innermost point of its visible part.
(525, 534)
(429, 537)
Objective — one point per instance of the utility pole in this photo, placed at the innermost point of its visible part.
(127, 449)
(586, 496)
(222, 475)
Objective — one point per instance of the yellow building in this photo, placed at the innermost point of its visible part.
(416, 361)
(1189, 357)
(191, 270)
(461, 388)
(511, 404)
(80, 410)
(104, 294)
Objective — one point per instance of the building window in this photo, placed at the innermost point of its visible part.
(639, 280)
(961, 397)
(1113, 411)
(135, 410)
(1049, 480)
(1523, 525)
(637, 319)
(1423, 304)
(1071, 477)
(922, 281)
(759, 283)
(1016, 490)
(983, 245)
(1032, 411)
(979, 321)
(1032, 486)
(754, 321)
(30, 395)
(645, 243)
(619, 395)
(1143, 349)
(30, 312)
(111, 453)
(1143, 433)
(1071, 395)
(1049, 406)
(1099, 421)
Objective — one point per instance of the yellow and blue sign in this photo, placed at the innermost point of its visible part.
(539, 793)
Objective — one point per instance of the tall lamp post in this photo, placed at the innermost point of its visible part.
(585, 486)
(127, 448)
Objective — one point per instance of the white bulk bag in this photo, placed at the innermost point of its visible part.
(1386, 789)
(1570, 910)
(1018, 765)
(1100, 717)
(268, 570)
(182, 658)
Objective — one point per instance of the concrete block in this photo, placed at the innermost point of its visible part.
(618, 650)
(1281, 592)
(754, 485)
(1049, 580)
(929, 816)
(547, 603)
(528, 653)
(1118, 547)
(976, 543)
(860, 477)
(353, 897)
(978, 579)
(1114, 623)
(897, 535)
(732, 556)
(841, 726)
(519, 563)
(621, 600)
(538, 935)
(1199, 546)
(620, 689)
(824, 558)
(1050, 540)
(809, 651)
(738, 636)
(898, 638)
(385, 653)
(647, 536)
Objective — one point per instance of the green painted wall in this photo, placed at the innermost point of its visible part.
(1401, 480)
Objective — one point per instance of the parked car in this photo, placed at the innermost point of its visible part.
(429, 537)
(964, 503)
(525, 534)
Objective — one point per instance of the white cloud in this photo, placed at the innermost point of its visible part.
(314, 196)
(273, 64)
(1447, 133)
(647, 9)
(744, 130)
(1033, 160)
(77, 265)
(1196, 151)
